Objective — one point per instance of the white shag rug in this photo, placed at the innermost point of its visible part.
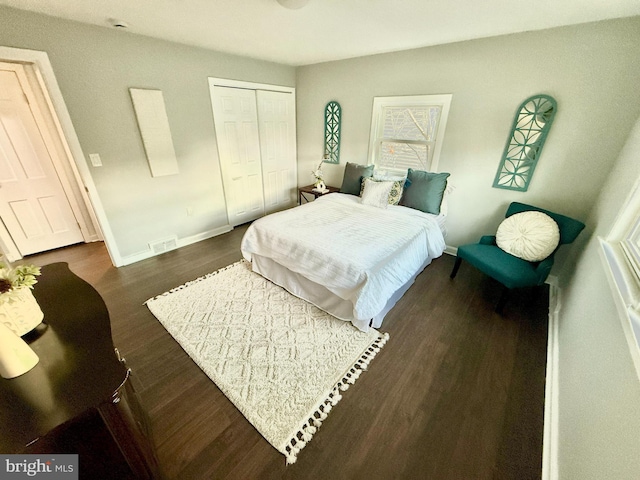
(282, 361)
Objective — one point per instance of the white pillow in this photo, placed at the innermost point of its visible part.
(531, 236)
(376, 193)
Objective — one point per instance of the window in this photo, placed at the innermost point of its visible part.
(621, 253)
(407, 132)
(630, 244)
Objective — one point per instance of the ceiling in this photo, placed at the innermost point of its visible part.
(326, 30)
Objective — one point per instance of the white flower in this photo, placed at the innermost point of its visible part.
(317, 173)
(12, 279)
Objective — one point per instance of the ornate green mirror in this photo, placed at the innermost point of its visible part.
(332, 118)
(528, 134)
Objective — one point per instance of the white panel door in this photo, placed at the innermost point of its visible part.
(33, 205)
(236, 121)
(277, 120)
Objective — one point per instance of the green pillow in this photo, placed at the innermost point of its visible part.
(425, 191)
(353, 175)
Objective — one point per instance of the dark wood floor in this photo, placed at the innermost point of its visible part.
(457, 392)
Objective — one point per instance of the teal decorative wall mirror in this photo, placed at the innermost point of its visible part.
(528, 133)
(332, 118)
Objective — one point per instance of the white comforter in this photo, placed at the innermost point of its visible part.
(361, 253)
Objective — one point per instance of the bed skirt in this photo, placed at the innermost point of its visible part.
(321, 297)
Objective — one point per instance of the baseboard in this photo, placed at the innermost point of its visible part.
(182, 242)
(550, 435)
(552, 280)
(449, 250)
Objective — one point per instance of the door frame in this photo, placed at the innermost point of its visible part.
(227, 82)
(74, 156)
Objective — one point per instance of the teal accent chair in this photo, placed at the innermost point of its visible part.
(513, 272)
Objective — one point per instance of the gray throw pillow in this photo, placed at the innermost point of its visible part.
(353, 175)
(424, 191)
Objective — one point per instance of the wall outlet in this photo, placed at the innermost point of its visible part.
(95, 159)
(189, 211)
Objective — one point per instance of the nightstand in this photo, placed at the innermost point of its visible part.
(308, 190)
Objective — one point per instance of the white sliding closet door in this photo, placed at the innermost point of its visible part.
(236, 121)
(277, 123)
(256, 134)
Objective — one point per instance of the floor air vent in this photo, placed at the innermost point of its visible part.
(164, 245)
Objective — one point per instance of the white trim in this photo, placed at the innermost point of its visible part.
(627, 214)
(626, 233)
(625, 293)
(443, 100)
(69, 139)
(143, 255)
(68, 182)
(552, 385)
(622, 269)
(449, 250)
(7, 246)
(26, 75)
(226, 82)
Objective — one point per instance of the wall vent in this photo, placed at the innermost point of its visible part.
(164, 245)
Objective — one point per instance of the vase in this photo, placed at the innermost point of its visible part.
(21, 312)
(320, 186)
(16, 357)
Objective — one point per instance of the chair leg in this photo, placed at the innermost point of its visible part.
(503, 300)
(456, 266)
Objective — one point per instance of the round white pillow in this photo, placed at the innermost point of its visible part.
(531, 235)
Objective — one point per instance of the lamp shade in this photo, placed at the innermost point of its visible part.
(16, 357)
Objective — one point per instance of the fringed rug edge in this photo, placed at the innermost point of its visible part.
(196, 280)
(310, 426)
(304, 433)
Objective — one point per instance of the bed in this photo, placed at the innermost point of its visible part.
(351, 259)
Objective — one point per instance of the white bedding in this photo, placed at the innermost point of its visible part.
(360, 253)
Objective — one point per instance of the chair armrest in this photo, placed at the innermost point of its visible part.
(488, 240)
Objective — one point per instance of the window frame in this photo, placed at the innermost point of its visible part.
(619, 254)
(377, 123)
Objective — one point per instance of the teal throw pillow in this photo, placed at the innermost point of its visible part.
(425, 191)
(353, 175)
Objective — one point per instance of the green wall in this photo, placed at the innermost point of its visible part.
(599, 390)
(95, 67)
(591, 70)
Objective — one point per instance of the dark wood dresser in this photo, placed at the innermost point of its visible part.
(79, 397)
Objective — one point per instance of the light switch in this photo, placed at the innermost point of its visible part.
(95, 159)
